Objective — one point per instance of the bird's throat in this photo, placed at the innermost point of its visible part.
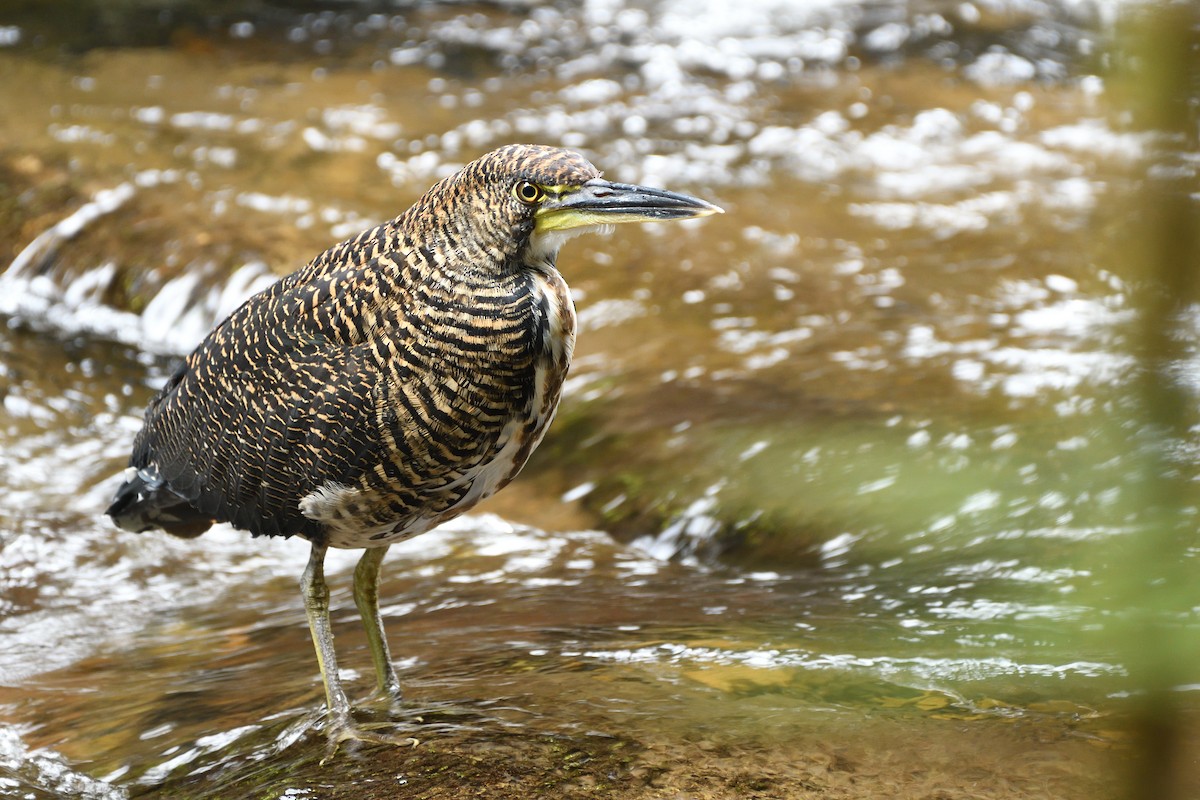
(544, 245)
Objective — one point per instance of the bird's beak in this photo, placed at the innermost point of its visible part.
(601, 202)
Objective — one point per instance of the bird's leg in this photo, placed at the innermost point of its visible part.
(316, 605)
(366, 597)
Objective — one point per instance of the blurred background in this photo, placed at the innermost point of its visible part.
(883, 484)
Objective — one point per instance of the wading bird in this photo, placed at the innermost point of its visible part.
(391, 384)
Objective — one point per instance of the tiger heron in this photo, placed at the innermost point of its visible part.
(388, 386)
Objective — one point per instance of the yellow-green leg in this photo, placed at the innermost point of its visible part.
(316, 604)
(366, 597)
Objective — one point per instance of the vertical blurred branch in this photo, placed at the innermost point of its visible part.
(1154, 580)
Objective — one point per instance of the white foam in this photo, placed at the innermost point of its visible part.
(103, 202)
(47, 771)
(907, 670)
(610, 312)
(1095, 137)
(1000, 68)
(690, 529)
(175, 319)
(203, 121)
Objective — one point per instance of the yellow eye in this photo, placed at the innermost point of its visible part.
(528, 193)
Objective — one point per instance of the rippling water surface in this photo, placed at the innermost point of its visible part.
(841, 481)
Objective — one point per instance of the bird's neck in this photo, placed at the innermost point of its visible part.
(558, 330)
(455, 238)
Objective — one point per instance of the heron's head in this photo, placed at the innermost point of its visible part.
(521, 202)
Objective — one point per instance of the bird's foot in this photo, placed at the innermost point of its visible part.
(341, 729)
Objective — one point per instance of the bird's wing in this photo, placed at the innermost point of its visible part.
(277, 401)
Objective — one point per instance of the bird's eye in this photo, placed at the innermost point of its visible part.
(527, 192)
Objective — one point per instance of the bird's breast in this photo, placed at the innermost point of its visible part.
(555, 336)
(552, 338)
(460, 426)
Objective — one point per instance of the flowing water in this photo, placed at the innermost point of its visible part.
(839, 481)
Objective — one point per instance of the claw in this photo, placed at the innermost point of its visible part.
(346, 730)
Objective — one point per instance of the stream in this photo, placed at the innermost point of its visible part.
(840, 479)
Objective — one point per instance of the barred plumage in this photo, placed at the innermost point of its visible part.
(392, 383)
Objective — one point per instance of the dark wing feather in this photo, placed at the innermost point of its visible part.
(276, 402)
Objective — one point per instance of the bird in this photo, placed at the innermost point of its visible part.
(389, 385)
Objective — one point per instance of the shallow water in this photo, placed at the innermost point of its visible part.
(866, 441)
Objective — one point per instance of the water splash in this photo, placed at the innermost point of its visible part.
(176, 318)
(26, 770)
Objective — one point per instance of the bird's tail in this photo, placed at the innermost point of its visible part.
(145, 502)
